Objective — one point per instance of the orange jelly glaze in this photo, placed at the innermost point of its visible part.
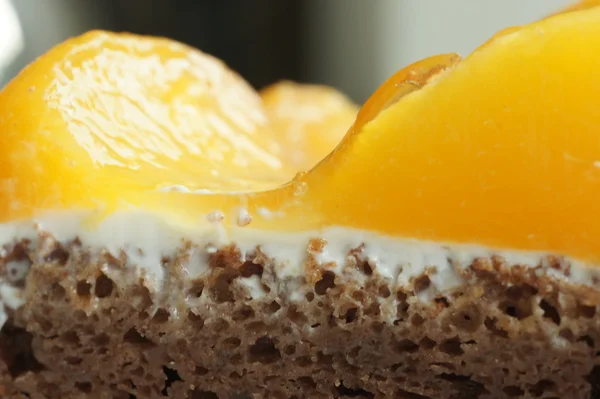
(501, 149)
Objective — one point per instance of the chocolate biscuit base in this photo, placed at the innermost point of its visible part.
(90, 328)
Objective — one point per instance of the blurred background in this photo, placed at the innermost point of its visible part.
(353, 45)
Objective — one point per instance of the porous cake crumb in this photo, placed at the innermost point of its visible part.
(88, 328)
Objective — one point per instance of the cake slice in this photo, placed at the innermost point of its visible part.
(158, 240)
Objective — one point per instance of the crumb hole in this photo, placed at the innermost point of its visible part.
(421, 283)
(406, 345)
(87, 329)
(518, 292)
(196, 290)
(83, 288)
(594, 380)
(256, 326)
(451, 347)
(171, 376)
(57, 292)
(490, 324)
(427, 343)
(132, 336)
(326, 282)
(542, 387)
(221, 291)
(358, 296)
(343, 391)
(588, 340)
(513, 391)
(79, 315)
(71, 338)
(16, 351)
(567, 334)
(73, 360)
(220, 325)
(200, 394)
(587, 311)
(464, 385)
(402, 308)
(161, 316)
(58, 256)
(234, 375)
(307, 383)
(296, 316)
(196, 320)
(103, 351)
(289, 350)
(249, 269)
(324, 359)
(303, 361)
(512, 310)
(442, 301)
(85, 387)
(104, 286)
(468, 319)
(373, 309)
(309, 296)
(235, 359)
(231, 343)
(365, 268)
(519, 303)
(264, 351)
(273, 307)
(351, 315)
(550, 312)
(45, 324)
(384, 292)
(243, 313)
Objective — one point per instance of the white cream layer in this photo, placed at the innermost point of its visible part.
(148, 238)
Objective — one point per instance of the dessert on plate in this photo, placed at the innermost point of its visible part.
(168, 232)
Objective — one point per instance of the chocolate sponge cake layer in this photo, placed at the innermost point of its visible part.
(89, 327)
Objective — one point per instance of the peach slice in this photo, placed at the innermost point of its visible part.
(500, 149)
(503, 150)
(104, 114)
(309, 120)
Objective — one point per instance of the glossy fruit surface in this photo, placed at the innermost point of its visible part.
(309, 120)
(500, 149)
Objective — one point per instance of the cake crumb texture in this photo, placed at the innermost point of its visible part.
(89, 329)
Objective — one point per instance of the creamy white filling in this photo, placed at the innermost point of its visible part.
(147, 239)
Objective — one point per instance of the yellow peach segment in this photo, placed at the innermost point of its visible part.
(501, 149)
(309, 120)
(106, 113)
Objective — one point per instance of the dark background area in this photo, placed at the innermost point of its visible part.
(261, 39)
(353, 45)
